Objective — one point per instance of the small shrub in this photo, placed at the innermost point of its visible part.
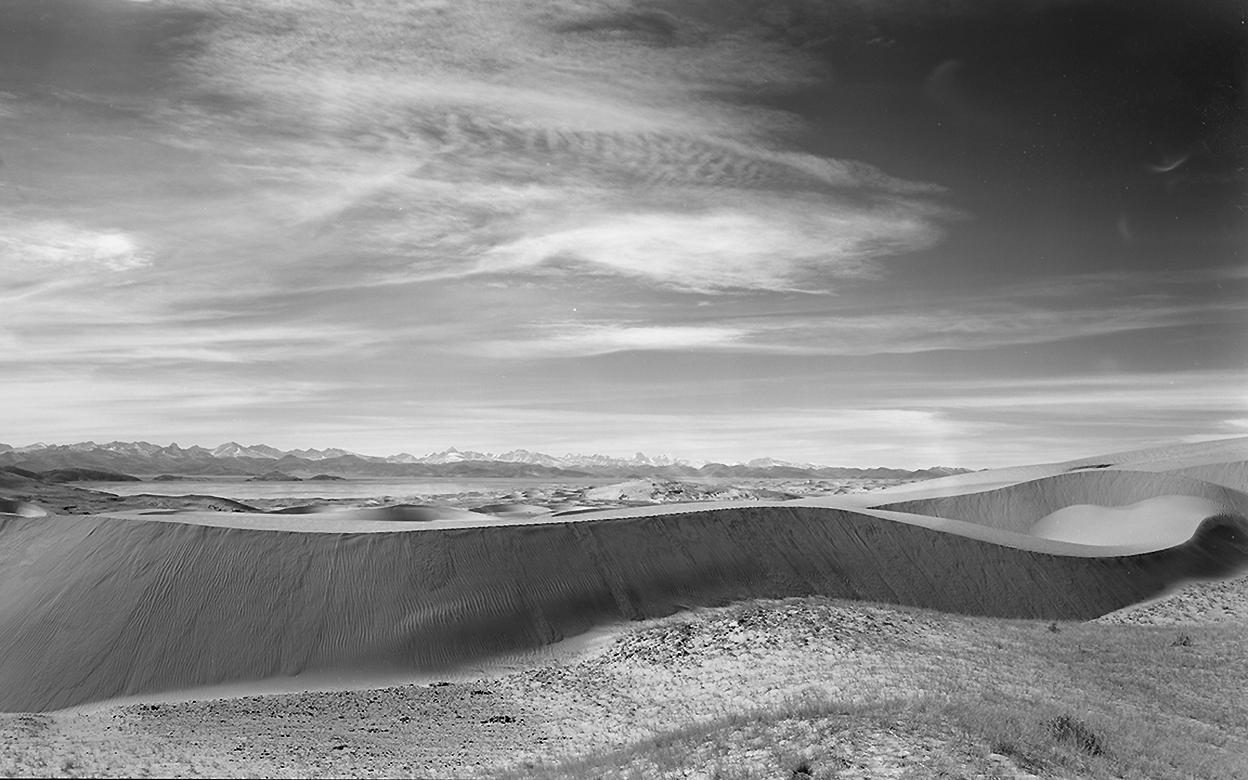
(1182, 640)
(802, 772)
(1054, 628)
(1064, 728)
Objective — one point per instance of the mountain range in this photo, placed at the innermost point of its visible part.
(234, 459)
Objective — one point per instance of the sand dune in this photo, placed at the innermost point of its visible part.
(1219, 456)
(1019, 507)
(94, 607)
(1232, 475)
(511, 510)
(1173, 456)
(99, 607)
(9, 506)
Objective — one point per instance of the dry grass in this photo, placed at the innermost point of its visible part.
(1009, 698)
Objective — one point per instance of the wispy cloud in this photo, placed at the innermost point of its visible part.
(1129, 393)
(576, 339)
(31, 246)
(767, 245)
(467, 158)
(70, 403)
(987, 325)
(203, 344)
(298, 215)
(849, 331)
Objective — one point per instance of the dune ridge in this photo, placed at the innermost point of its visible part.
(99, 607)
(1019, 506)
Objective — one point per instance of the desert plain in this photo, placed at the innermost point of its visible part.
(1079, 619)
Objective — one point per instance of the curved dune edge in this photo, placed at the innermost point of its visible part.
(1224, 459)
(98, 607)
(1020, 506)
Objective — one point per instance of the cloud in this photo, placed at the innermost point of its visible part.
(578, 339)
(1127, 393)
(764, 246)
(411, 196)
(434, 142)
(977, 325)
(143, 342)
(70, 403)
(25, 243)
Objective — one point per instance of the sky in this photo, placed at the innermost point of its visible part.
(848, 232)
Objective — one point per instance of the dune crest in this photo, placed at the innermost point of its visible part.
(102, 606)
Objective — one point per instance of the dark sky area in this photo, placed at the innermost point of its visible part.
(859, 232)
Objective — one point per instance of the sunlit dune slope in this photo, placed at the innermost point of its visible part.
(1223, 461)
(1232, 475)
(97, 607)
(1173, 456)
(1020, 507)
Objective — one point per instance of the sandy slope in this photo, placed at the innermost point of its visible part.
(1232, 475)
(1018, 507)
(98, 607)
(125, 603)
(1218, 455)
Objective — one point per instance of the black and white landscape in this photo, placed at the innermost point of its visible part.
(623, 388)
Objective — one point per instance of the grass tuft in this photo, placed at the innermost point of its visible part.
(1066, 728)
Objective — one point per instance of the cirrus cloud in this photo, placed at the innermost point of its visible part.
(58, 243)
(768, 245)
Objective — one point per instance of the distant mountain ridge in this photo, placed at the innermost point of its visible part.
(234, 459)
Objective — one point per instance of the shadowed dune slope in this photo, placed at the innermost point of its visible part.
(1021, 506)
(98, 607)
